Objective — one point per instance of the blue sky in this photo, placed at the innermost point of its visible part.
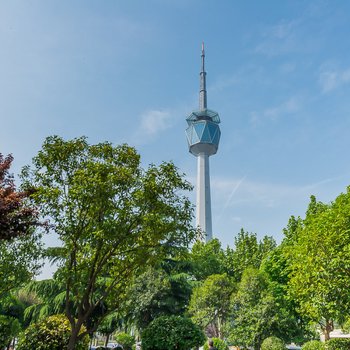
(278, 73)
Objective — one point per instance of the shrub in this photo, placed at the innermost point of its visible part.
(338, 344)
(218, 344)
(52, 333)
(346, 326)
(273, 343)
(313, 345)
(126, 340)
(170, 333)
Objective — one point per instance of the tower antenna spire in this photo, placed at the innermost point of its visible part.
(202, 84)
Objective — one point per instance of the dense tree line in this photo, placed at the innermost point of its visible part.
(128, 256)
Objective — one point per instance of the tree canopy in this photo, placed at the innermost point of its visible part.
(17, 218)
(113, 219)
(20, 247)
(210, 303)
(321, 263)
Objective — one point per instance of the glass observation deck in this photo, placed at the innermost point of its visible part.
(203, 132)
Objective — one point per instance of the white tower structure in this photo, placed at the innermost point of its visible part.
(203, 136)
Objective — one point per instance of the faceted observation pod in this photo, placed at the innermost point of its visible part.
(203, 132)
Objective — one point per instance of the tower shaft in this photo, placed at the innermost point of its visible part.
(203, 205)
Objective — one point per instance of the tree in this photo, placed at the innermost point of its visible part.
(125, 340)
(293, 327)
(210, 304)
(19, 247)
(11, 318)
(207, 259)
(9, 328)
(158, 292)
(17, 218)
(254, 310)
(19, 261)
(247, 252)
(321, 263)
(172, 333)
(47, 299)
(112, 217)
(109, 325)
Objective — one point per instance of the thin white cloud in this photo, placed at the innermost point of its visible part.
(284, 29)
(331, 79)
(238, 192)
(152, 123)
(295, 35)
(290, 106)
(234, 190)
(280, 38)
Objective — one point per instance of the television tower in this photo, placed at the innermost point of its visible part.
(203, 136)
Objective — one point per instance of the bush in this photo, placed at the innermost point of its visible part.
(346, 326)
(126, 340)
(273, 343)
(338, 344)
(313, 345)
(218, 343)
(170, 333)
(52, 333)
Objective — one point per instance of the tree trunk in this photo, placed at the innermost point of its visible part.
(107, 339)
(327, 329)
(74, 338)
(219, 334)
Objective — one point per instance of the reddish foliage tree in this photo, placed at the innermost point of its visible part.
(16, 217)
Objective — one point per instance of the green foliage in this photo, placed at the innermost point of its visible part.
(156, 293)
(273, 343)
(9, 328)
(292, 327)
(254, 310)
(19, 247)
(109, 324)
(207, 259)
(50, 334)
(337, 344)
(126, 340)
(172, 333)
(11, 317)
(314, 345)
(19, 261)
(219, 344)
(321, 261)
(49, 299)
(113, 219)
(247, 252)
(346, 326)
(210, 303)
